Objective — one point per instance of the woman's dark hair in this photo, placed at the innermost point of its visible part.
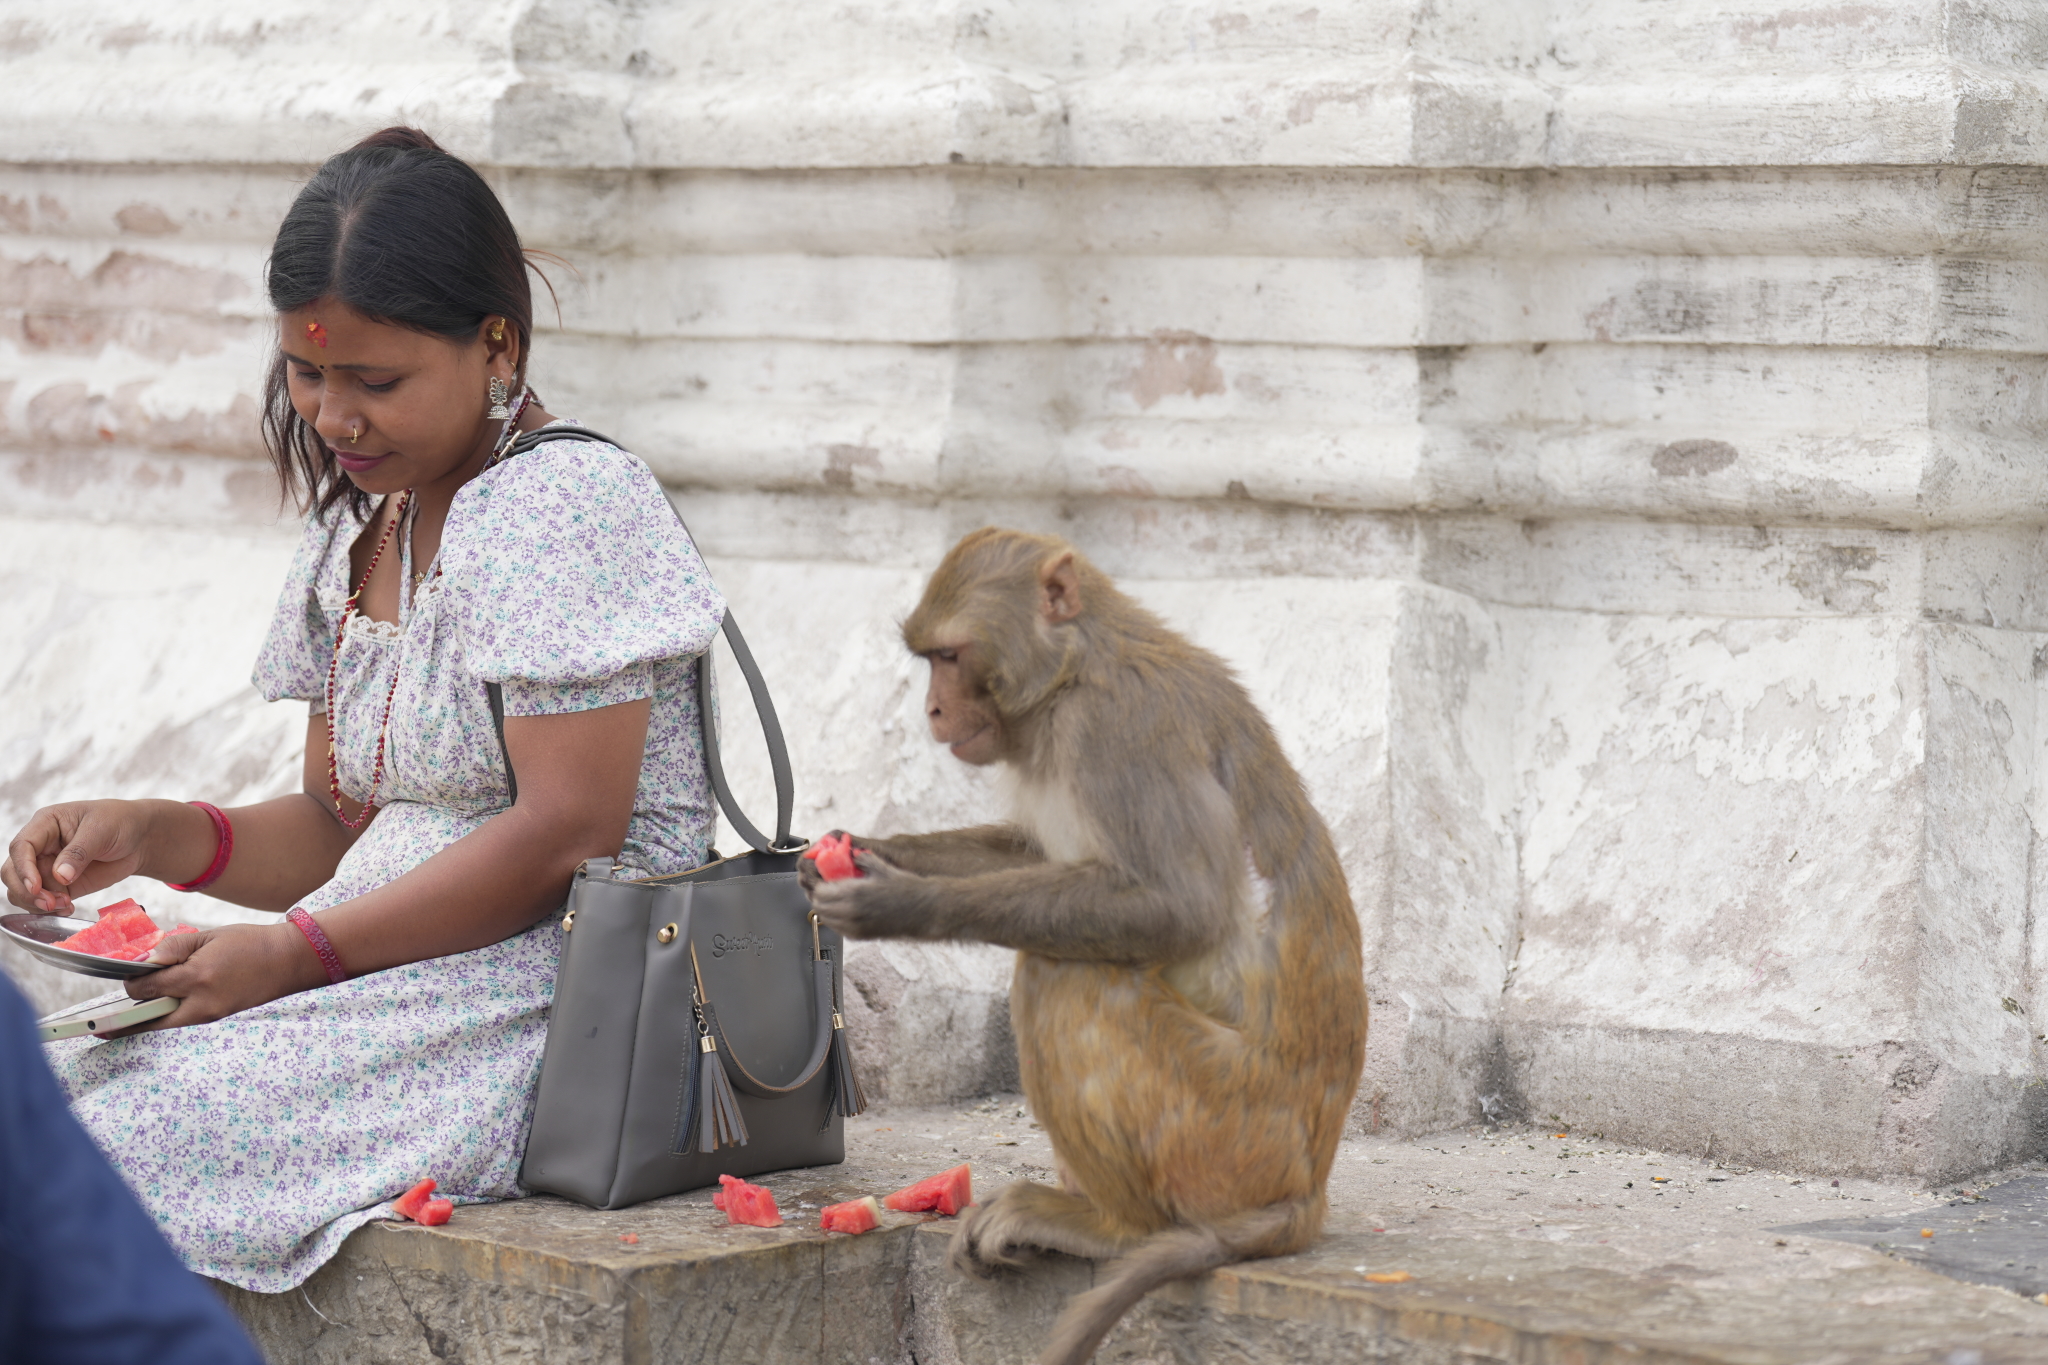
(405, 234)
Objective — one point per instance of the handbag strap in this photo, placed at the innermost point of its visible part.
(821, 1045)
(764, 705)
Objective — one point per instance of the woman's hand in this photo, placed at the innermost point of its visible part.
(218, 972)
(284, 848)
(73, 849)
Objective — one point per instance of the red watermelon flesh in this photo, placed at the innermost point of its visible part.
(749, 1204)
(136, 949)
(413, 1201)
(856, 1215)
(834, 856)
(131, 919)
(948, 1192)
(435, 1212)
(117, 925)
(99, 940)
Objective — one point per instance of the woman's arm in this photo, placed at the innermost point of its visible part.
(283, 848)
(578, 774)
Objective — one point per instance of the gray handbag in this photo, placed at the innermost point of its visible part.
(696, 1029)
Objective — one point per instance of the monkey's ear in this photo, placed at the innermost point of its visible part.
(1059, 587)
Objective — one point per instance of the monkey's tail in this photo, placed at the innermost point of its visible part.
(1177, 1253)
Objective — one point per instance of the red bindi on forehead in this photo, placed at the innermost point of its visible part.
(318, 333)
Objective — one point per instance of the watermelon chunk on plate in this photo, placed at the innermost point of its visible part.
(749, 1204)
(117, 925)
(413, 1201)
(948, 1192)
(856, 1216)
(136, 949)
(129, 918)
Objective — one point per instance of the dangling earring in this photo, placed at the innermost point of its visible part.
(499, 394)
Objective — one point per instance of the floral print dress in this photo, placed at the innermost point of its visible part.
(260, 1141)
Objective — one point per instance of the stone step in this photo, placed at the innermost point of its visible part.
(1684, 1271)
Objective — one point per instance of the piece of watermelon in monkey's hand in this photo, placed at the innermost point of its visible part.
(834, 856)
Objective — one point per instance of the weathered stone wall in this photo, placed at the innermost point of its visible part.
(1604, 435)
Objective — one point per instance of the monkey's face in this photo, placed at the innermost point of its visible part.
(962, 714)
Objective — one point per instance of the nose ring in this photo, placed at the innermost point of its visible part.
(354, 433)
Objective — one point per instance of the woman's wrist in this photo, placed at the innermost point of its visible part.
(223, 848)
(302, 968)
(331, 965)
(178, 841)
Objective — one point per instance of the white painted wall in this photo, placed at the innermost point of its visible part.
(1605, 435)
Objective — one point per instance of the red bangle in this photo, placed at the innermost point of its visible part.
(222, 851)
(322, 949)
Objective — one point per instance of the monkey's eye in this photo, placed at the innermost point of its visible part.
(946, 656)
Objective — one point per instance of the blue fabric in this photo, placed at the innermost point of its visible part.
(85, 1277)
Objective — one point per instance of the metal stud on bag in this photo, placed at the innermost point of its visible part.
(500, 395)
(667, 935)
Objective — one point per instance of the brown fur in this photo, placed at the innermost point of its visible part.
(1190, 1036)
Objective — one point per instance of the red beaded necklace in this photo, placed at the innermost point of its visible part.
(333, 665)
(503, 444)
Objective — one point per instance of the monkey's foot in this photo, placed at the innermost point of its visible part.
(980, 1247)
(1026, 1219)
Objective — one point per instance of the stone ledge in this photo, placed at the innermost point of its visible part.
(1468, 1302)
(1687, 1266)
(1884, 1108)
(546, 1280)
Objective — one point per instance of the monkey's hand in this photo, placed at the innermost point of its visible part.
(885, 902)
(807, 874)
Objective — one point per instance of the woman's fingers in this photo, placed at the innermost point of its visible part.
(22, 879)
(218, 972)
(176, 978)
(175, 948)
(193, 989)
(30, 858)
(71, 849)
(23, 874)
(100, 836)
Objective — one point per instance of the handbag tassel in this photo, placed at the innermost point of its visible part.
(715, 1119)
(847, 1096)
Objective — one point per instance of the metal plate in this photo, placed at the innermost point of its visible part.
(35, 934)
(104, 1015)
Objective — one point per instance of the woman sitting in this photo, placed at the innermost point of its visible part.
(390, 1026)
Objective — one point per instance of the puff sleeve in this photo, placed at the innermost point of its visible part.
(569, 577)
(295, 653)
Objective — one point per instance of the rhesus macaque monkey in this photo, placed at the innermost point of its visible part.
(1188, 1001)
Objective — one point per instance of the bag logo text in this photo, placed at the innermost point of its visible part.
(721, 944)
